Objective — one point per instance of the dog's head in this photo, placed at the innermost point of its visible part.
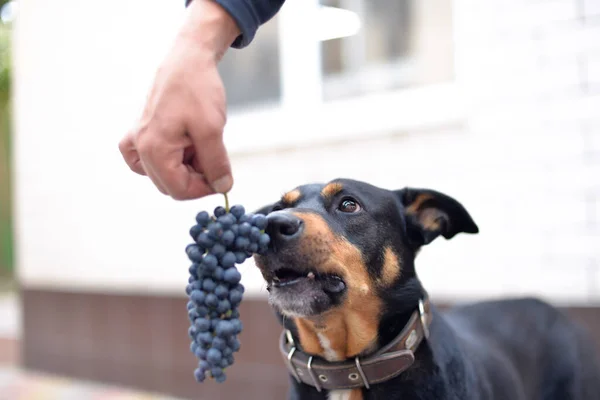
(347, 246)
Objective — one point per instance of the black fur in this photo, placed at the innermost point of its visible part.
(512, 349)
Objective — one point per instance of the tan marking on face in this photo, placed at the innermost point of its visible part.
(351, 328)
(331, 189)
(391, 267)
(291, 197)
(415, 206)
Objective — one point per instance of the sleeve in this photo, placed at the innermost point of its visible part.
(249, 15)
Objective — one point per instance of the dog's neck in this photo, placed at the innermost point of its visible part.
(348, 332)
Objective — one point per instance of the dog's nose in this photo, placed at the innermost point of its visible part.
(284, 226)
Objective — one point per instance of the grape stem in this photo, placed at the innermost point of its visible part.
(226, 202)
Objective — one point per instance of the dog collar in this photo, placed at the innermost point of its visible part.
(385, 364)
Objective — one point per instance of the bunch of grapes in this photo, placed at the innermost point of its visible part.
(227, 238)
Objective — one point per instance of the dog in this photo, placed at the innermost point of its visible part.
(358, 324)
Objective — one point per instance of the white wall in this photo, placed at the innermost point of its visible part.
(525, 160)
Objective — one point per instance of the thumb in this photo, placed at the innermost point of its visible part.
(213, 159)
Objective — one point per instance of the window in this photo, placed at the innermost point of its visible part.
(401, 43)
(251, 75)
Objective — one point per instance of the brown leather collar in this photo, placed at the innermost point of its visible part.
(387, 363)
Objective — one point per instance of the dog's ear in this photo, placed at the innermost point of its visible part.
(429, 214)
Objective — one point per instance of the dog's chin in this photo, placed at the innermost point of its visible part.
(304, 294)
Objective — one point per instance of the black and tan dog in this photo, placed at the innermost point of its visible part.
(359, 325)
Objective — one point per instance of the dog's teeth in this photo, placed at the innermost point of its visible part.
(275, 279)
(311, 275)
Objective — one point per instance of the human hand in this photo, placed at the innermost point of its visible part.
(178, 141)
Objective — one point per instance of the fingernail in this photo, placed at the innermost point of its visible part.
(223, 184)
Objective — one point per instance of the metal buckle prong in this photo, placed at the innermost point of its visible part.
(362, 374)
(291, 364)
(312, 374)
(423, 319)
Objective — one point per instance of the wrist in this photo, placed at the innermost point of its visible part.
(210, 27)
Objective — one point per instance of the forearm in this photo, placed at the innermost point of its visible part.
(248, 15)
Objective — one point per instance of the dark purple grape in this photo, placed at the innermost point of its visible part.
(242, 243)
(228, 260)
(219, 211)
(211, 300)
(214, 356)
(218, 250)
(259, 221)
(208, 285)
(202, 218)
(232, 276)
(210, 262)
(237, 211)
(205, 241)
(245, 229)
(222, 291)
(228, 238)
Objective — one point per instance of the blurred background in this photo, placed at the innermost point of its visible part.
(494, 102)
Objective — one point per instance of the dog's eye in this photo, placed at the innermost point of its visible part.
(349, 206)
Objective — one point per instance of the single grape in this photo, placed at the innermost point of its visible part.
(215, 230)
(227, 221)
(193, 252)
(227, 351)
(230, 359)
(195, 231)
(224, 328)
(220, 378)
(253, 248)
(211, 300)
(198, 297)
(204, 337)
(202, 324)
(219, 211)
(222, 291)
(213, 355)
(237, 211)
(224, 363)
(202, 311)
(240, 257)
(193, 314)
(235, 297)
(199, 375)
(242, 243)
(264, 240)
(237, 326)
(208, 285)
(210, 262)
(234, 344)
(228, 260)
(245, 229)
(254, 234)
(235, 229)
(200, 353)
(205, 241)
(218, 250)
(216, 372)
(202, 218)
(190, 305)
(232, 276)
(228, 238)
(259, 221)
(219, 343)
(244, 218)
(223, 306)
